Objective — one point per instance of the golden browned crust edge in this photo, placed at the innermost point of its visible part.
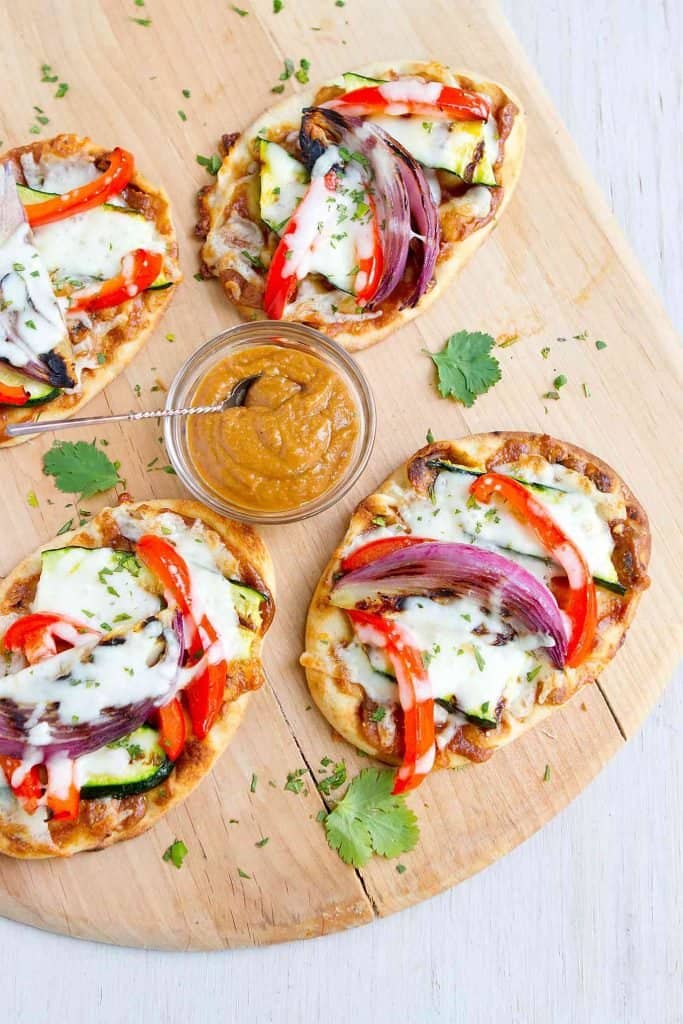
(200, 755)
(341, 702)
(448, 268)
(154, 305)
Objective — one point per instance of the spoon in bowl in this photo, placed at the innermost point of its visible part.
(236, 398)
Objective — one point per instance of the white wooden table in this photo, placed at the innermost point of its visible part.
(583, 923)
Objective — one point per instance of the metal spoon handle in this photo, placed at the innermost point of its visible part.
(19, 429)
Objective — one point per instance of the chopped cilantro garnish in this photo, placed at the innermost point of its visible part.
(211, 163)
(176, 853)
(600, 345)
(479, 658)
(295, 782)
(334, 780)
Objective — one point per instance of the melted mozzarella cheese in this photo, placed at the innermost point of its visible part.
(84, 681)
(449, 145)
(81, 584)
(93, 244)
(56, 174)
(31, 319)
(211, 592)
(461, 664)
(452, 515)
(333, 236)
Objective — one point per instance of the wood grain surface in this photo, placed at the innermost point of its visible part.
(550, 270)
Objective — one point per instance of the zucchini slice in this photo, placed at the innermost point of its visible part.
(38, 391)
(134, 764)
(247, 603)
(352, 81)
(283, 183)
(485, 716)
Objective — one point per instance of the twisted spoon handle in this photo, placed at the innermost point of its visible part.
(19, 429)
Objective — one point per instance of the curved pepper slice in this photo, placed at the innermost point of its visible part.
(139, 269)
(424, 99)
(35, 635)
(414, 693)
(291, 258)
(581, 605)
(171, 722)
(10, 395)
(30, 789)
(375, 549)
(120, 171)
(64, 808)
(204, 694)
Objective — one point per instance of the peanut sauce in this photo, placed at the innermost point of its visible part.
(290, 442)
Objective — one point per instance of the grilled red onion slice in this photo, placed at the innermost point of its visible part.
(75, 740)
(442, 569)
(400, 188)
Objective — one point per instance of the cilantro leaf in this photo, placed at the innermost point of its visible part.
(176, 853)
(369, 819)
(80, 468)
(465, 366)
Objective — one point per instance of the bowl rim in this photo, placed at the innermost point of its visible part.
(285, 334)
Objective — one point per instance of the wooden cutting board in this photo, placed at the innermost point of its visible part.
(557, 267)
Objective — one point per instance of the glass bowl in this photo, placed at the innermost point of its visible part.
(286, 335)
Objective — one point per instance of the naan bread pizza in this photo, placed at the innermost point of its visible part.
(480, 587)
(349, 207)
(130, 648)
(88, 261)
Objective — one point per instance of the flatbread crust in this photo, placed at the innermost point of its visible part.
(135, 319)
(345, 704)
(106, 821)
(457, 248)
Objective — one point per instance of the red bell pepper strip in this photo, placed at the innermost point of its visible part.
(205, 693)
(297, 241)
(30, 789)
(290, 260)
(414, 693)
(205, 697)
(139, 269)
(162, 559)
(35, 635)
(581, 605)
(120, 171)
(370, 268)
(171, 722)
(420, 98)
(377, 549)
(10, 395)
(64, 808)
